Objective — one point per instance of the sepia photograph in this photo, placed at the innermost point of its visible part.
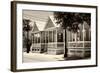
(56, 36)
(47, 36)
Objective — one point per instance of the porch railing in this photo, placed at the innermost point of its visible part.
(77, 44)
(37, 45)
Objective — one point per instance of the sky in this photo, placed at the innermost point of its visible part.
(40, 17)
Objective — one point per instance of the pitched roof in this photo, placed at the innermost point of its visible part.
(35, 28)
(41, 26)
(52, 21)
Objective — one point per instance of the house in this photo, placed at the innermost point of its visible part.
(51, 39)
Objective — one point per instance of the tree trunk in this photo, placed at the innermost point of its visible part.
(28, 49)
(66, 49)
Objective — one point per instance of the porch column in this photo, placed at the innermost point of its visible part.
(48, 36)
(45, 41)
(72, 36)
(40, 40)
(52, 37)
(83, 35)
(40, 37)
(34, 38)
(75, 37)
(83, 40)
(32, 42)
(56, 38)
(64, 38)
(45, 36)
(89, 34)
(69, 36)
(37, 38)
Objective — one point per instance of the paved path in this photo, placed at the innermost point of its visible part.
(37, 57)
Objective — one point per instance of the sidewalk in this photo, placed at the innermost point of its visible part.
(35, 57)
(43, 57)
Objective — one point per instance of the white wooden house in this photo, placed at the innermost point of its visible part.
(51, 39)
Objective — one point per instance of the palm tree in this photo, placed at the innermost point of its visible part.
(27, 28)
(70, 21)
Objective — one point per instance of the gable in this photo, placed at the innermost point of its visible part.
(49, 24)
(35, 28)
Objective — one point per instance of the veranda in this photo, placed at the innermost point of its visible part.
(51, 40)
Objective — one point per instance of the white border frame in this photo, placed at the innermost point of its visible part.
(21, 65)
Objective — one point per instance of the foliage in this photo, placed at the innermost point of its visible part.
(26, 29)
(71, 20)
(26, 26)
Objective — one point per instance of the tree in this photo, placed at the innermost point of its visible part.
(26, 28)
(70, 21)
